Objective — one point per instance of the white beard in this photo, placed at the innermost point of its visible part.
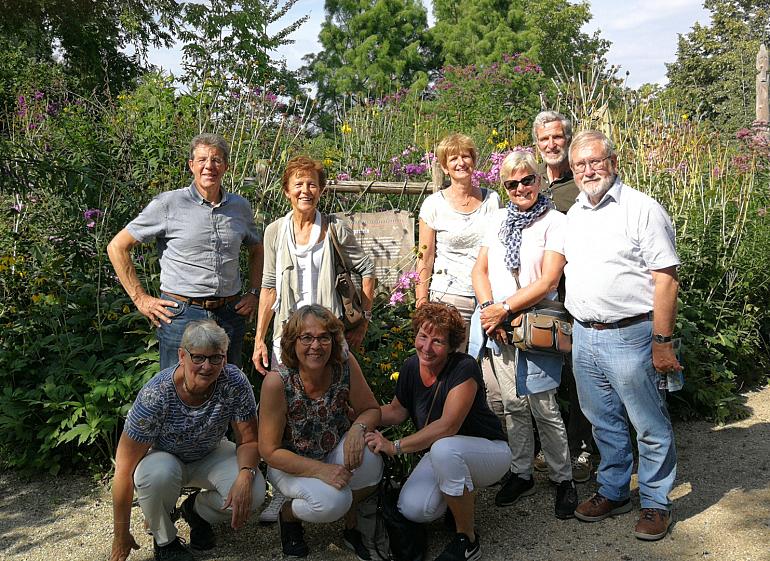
(596, 189)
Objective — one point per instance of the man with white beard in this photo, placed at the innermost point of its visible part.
(622, 290)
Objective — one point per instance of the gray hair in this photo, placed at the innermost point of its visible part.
(211, 139)
(586, 137)
(545, 117)
(205, 335)
(517, 160)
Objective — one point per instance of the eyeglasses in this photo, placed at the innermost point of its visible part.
(527, 181)
(214, 360)
(595, 163)
(215, 161)
(307, 339)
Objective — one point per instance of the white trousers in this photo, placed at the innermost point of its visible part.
(160, 476)
(316, 501)
(519, 411)
(453, 464)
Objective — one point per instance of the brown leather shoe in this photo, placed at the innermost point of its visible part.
(600, 507)
(653, 524)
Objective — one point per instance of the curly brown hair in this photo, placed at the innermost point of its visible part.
(441, 317)
(303, 163)
(296, 324)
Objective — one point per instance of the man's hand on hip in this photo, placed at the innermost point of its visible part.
(155, 309)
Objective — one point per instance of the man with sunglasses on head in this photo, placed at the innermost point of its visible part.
(200, 230)
(622, 290)
(174, 437)
(552, 134)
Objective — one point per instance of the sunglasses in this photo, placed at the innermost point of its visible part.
(527, 181)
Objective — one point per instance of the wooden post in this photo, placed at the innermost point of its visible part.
(437, 174)
(763, 106)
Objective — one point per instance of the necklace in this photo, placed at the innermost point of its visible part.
(205, 395)
(468, 198)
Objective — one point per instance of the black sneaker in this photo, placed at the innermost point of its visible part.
(354, 542)
(201, 533)
(292, 538)
(513, 489)
(174, 551)
(566, 500)
(461, 549)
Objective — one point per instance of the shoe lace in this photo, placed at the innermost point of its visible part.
(597, 499)
(649, 514)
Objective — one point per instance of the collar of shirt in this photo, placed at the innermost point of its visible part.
(200, 200)
(613, 194)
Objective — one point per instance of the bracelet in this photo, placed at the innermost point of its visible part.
(362, 425)
(397, 446)
(486, 304)
(251, 470)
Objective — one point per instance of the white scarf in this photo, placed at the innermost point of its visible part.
(287, 236)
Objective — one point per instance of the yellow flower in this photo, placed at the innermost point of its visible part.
(399, 346)
(685, 116)
(345, 129)
(494, 132)
(394, 376)
(502, 145)
(394, 355)
(36, 298)
(328, 162)
(126, 309)
(385, 366)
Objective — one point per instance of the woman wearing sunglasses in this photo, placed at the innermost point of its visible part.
(316, 456)
(174, 437)
(520, 263)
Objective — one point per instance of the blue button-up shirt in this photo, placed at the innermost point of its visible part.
(198, 242)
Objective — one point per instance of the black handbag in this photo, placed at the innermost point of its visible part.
(408, 540)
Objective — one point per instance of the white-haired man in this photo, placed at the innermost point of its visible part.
(622, 290)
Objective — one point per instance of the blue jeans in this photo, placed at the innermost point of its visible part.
(170, 334)
(617, 383)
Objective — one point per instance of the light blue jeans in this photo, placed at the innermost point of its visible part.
(617, 383)
(170, 334)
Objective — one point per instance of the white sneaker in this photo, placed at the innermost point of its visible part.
(269, 514)
(581, 467)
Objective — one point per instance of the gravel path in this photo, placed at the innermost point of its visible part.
(721, 505)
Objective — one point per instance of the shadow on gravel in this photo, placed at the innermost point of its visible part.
(717, 462)
(29, 503)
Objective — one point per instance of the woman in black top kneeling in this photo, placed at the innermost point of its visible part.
(442, 391)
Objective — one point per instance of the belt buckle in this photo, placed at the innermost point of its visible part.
(597, 325)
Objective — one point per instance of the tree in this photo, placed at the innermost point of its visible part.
(370, 48)
(714, 74)
(231, 38)
(90, 38)
(481, 31)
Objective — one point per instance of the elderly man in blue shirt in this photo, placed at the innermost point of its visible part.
(200, 230)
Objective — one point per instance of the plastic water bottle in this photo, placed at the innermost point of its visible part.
(674, 378)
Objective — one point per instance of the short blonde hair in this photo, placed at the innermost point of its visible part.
(455, 144)
(517, 160)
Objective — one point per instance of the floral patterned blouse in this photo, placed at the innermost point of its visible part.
(315, 426)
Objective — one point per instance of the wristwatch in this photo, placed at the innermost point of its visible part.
(506, 307)
(397, 446)
(658, 338)
(368, 315)
(254, 291)
(251, 470)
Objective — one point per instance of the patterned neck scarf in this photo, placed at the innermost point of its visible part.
(515, 221)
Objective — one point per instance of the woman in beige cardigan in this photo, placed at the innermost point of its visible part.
(299, 262)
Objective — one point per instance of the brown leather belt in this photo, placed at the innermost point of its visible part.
(625, 322)
(211, 303)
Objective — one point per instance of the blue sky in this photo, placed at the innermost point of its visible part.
(643, 34)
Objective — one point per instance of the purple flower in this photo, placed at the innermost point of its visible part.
(342, 176)
(396, 298)
(17, 208)
(91, 216)
(39, 95)
(743, 133)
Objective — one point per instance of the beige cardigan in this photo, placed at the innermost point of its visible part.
(326, 295)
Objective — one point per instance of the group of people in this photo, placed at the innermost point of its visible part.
(470, 396)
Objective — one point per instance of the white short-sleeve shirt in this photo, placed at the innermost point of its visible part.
(458, 238)
(544, 234)
(611, 251)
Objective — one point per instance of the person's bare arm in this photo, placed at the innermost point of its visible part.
(247, 453)
(127, 457)
(261, 356)
(664, 317)
(426, 256)
(119, 252)
(247, 305)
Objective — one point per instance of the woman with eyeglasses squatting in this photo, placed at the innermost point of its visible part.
(520, 263)
(451, 226)
(316, 455)
(174, 437)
